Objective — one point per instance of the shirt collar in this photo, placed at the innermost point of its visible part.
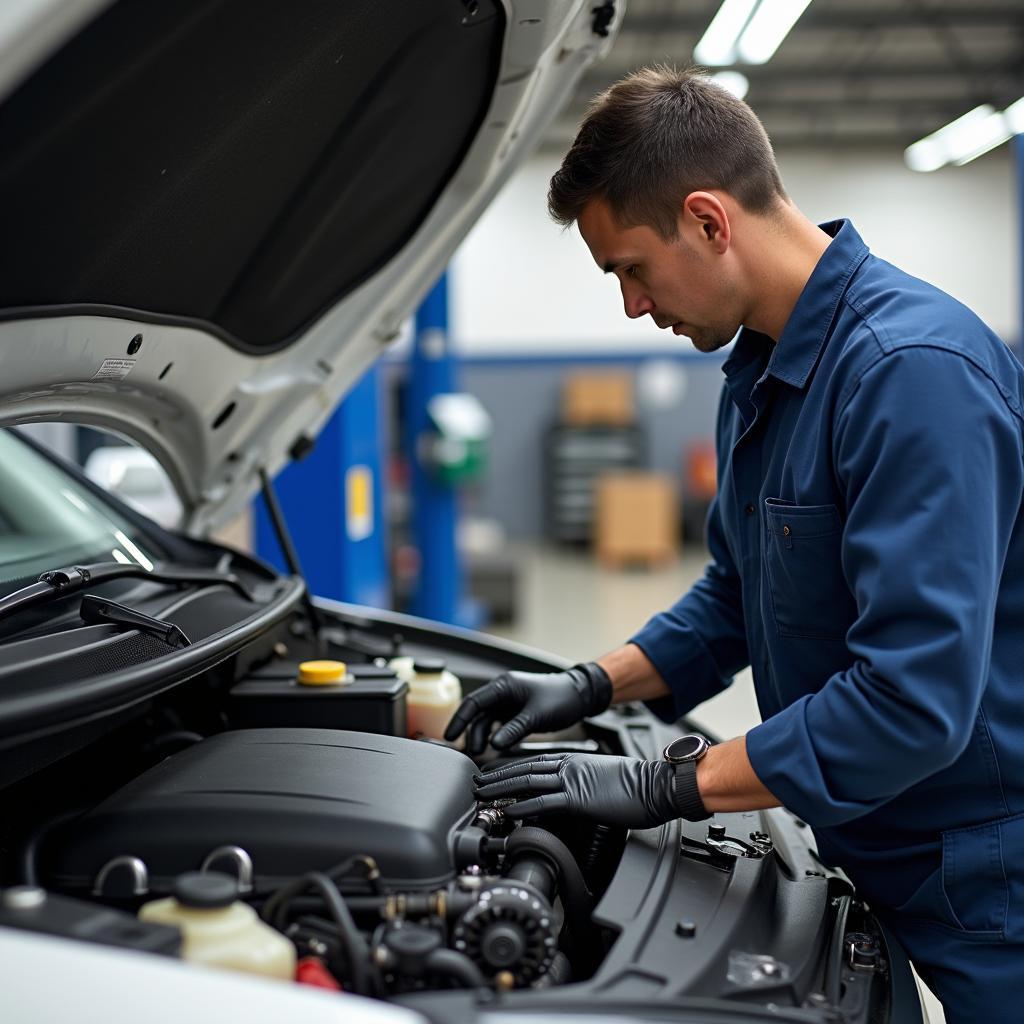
(796, 353)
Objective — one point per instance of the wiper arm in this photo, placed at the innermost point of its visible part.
(97, 611)
(59, 582)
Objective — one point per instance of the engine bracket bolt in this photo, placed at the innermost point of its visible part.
(504, 981)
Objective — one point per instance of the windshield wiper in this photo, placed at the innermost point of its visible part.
(97, 611)
(58, 582)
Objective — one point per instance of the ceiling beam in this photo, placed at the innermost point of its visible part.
(884, 99)
(600, 76)
(923, 108)
(892, 125)
(998, 84)
(894, 138)
(825, 18)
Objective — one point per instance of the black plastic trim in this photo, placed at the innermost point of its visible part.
(24, 718)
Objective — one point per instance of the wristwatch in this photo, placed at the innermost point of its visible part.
(684, 752)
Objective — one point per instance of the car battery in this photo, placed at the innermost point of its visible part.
(320, 695)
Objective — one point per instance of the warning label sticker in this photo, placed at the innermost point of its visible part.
(114, 369)
(359, 501)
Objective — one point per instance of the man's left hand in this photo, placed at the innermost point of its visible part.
(626, 791)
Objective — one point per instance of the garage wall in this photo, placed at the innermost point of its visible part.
(523, 398)
(529, 306)
(522, 285)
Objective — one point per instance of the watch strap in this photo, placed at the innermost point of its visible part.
(686, 795)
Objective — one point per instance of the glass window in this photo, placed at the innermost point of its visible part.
(48, 520)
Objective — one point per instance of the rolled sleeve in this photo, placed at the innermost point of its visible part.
(929, 455)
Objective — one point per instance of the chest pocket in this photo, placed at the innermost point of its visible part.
(809, 595)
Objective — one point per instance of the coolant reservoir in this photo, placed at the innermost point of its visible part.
(434, 694)
(219, 930)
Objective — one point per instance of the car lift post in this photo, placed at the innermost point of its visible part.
(333, 502)
(438, 590)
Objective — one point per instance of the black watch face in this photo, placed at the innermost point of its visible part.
(685, 746)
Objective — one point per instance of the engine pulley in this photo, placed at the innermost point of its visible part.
(510, 928)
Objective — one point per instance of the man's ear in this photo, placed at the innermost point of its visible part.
(705, 220)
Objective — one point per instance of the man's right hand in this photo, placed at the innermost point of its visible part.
(529, 702)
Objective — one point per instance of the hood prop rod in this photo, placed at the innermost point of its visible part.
(291, 556)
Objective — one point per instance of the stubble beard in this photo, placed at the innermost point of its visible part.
(712, 339)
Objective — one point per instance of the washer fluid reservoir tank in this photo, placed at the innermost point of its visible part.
(434, 694)
(219, 930)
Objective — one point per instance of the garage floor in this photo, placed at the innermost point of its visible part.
(571, 606)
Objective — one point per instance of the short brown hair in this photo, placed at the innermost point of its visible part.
(656, 136)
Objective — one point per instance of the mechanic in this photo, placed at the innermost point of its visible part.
(867, 546)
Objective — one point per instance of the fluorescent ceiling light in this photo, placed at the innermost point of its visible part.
(717, 47)
(767, 28)
(747, 30)
(732, 81)
(990, 133)
(962, 140)
(926, 155)
(1014, 115)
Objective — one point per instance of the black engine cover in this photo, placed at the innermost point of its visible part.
(296, 800)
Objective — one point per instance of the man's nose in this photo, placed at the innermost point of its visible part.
(636, 302)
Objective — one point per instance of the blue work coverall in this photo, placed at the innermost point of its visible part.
(867, 546)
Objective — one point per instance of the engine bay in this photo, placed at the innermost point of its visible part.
(366, 850)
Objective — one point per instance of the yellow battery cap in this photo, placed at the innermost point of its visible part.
(322, 673)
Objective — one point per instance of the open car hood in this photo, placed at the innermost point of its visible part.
(218, 213)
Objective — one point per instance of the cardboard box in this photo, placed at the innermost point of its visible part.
(637, 519)
(603, 399)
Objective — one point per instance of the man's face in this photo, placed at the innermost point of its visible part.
(684, 284)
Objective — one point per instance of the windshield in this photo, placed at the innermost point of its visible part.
(49, 520)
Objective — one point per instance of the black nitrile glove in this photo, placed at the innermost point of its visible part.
(626, 791)
(530, 702)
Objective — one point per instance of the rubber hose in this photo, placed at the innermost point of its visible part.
(559, 973)
(357, 952)
(572, 887)
(456, 965)
(276, 904)
(29, 851)
(355, 945)
(599, 840)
